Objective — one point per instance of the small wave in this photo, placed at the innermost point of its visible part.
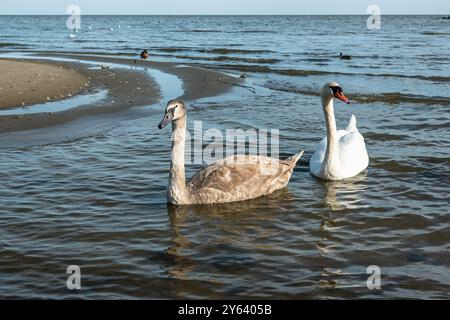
(279, 86)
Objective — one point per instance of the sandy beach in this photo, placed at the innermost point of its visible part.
(39, 81)
(25, 83)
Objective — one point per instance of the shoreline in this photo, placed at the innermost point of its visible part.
(198, 82)
(127, 88)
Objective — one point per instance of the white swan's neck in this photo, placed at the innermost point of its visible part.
(177, 191)
(330, 164)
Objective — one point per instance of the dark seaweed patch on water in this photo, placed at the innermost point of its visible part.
(240, 51)
(263, 69)
(314, 59)
(397, 98)
(387, 98)
(433, 33)
(223, 31)
(213, 50)
(254, 31)
(174, 49)
(15, 45)
(384, 136)
(198, 31)
(397, 167)
(298, 72)
(225, 58)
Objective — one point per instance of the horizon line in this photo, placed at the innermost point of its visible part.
(241, 14)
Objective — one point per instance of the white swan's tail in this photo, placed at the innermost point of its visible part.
(294, 159)
(352, 124)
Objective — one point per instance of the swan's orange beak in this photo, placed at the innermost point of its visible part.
(340, 95)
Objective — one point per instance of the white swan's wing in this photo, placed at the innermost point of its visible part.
(351, 127)
(352, 154)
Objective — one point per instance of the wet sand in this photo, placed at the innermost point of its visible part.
(26, 83)
(126, 88)
(198, 82)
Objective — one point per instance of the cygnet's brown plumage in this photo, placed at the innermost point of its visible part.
(232, 179)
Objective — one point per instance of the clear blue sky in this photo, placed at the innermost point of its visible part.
(225, 6)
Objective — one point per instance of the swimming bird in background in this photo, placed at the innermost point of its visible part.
(342, 153)
(236, 178)
(344, 57)
(144, 55)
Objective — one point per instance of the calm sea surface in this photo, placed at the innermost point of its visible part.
(99, 201)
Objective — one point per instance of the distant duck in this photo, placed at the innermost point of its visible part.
(71, 36)
(144, 55)
(243, 76)
(345, 57)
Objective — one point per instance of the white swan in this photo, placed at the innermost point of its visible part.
(235, 178)
(345, 155)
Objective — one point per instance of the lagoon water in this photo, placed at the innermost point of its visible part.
(99, 201)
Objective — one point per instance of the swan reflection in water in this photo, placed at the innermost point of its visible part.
(338, 197)
(344, 194)
(222, 225)
(228, 233)
(182, 265)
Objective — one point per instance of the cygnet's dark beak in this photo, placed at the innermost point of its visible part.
(168, 117)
